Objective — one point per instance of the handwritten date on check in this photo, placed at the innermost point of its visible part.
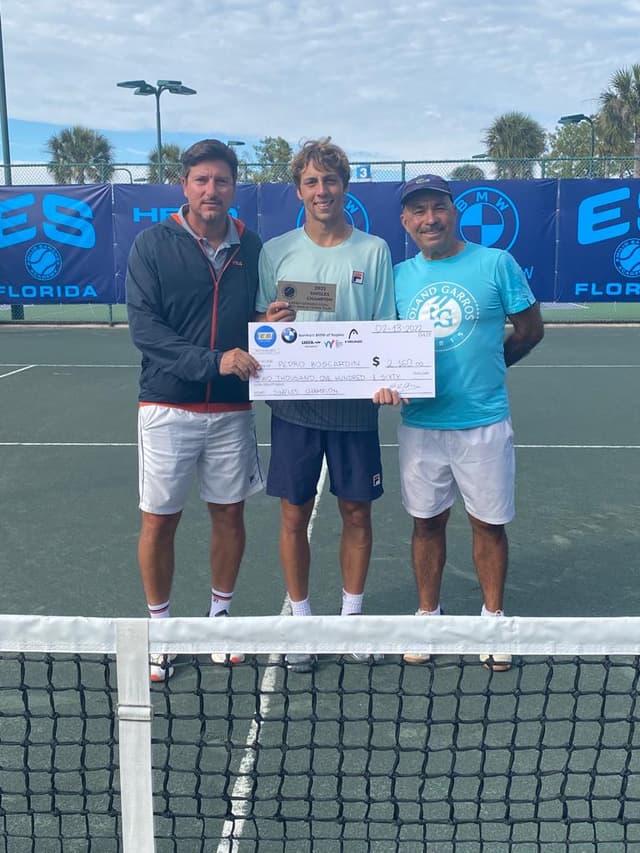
(342, 359)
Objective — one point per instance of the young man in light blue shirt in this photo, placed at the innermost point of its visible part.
(342, 432)
(461, 439)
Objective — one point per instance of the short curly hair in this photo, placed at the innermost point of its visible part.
(324, 155)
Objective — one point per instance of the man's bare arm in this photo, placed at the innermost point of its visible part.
(528, 331)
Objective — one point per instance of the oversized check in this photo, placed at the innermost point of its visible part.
(342, 359)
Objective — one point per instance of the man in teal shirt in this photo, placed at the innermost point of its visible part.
(344, 433)
(462, 439)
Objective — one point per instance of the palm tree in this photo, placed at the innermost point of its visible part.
(171, 167)
(619, 119)
(515, 141)
(80, 156)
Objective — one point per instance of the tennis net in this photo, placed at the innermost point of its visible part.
(377, 756)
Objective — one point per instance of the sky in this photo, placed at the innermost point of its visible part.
(386, 79)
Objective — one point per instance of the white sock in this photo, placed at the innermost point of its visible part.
(220, 601)
(436, 612)
(159, 611)
(486, 612)
(351, 604)
(300, 608)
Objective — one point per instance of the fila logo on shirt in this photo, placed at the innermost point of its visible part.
(357, 277)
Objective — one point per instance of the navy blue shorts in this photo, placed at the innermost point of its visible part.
(353, 460)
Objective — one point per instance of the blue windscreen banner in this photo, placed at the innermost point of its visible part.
(599, 241)
(135, 208)
(518, 216)
(576, 240)
(56, 244)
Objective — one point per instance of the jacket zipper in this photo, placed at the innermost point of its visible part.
(214, 311)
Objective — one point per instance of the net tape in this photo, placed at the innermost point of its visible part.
(353, 757)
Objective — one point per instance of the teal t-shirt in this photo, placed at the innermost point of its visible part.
(360, 267)
(468, 297)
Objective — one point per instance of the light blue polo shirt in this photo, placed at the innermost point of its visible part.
(468, 297)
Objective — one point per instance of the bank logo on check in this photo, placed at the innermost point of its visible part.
(264, 336)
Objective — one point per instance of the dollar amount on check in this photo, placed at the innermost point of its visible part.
(342, 359)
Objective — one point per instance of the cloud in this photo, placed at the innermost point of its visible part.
(403, 80)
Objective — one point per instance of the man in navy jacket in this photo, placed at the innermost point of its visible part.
(191, 289)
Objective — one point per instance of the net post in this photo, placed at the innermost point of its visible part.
(134, 727)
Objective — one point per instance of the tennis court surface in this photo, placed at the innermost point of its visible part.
(356, 757)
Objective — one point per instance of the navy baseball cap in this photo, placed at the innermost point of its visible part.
(425, 182)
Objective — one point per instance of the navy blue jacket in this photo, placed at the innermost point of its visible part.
(182, 318)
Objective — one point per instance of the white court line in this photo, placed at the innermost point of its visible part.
(576, 366)
(565, 446)
(18, 364)
(13, 372)
(266, 444)
(242, 787)
(68, 443)
(520, 366)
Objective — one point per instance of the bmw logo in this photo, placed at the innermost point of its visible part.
(488, 217)
(289, 335)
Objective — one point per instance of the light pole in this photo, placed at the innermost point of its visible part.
(17, 311)
(576, 119)
(141, 87)
(236, 143)
(4, 120)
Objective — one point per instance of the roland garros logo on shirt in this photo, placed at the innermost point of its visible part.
(453, 310)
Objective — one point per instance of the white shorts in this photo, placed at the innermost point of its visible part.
(479, 461)
(175, 445)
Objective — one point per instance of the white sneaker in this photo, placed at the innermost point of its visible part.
(300, 663)
(160, 668)
(221, 657)
(418, 657)
(496, 663)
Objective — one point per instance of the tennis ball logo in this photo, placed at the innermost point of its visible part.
(43, 261)
(627, 258)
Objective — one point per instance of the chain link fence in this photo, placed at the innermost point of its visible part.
(382, 170)
(476, 169)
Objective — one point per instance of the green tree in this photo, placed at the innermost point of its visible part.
(273, 156)
(171, 166)
(467, 172)
(619, 119)
(80, 155)
(569, 152)
(515, 141)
